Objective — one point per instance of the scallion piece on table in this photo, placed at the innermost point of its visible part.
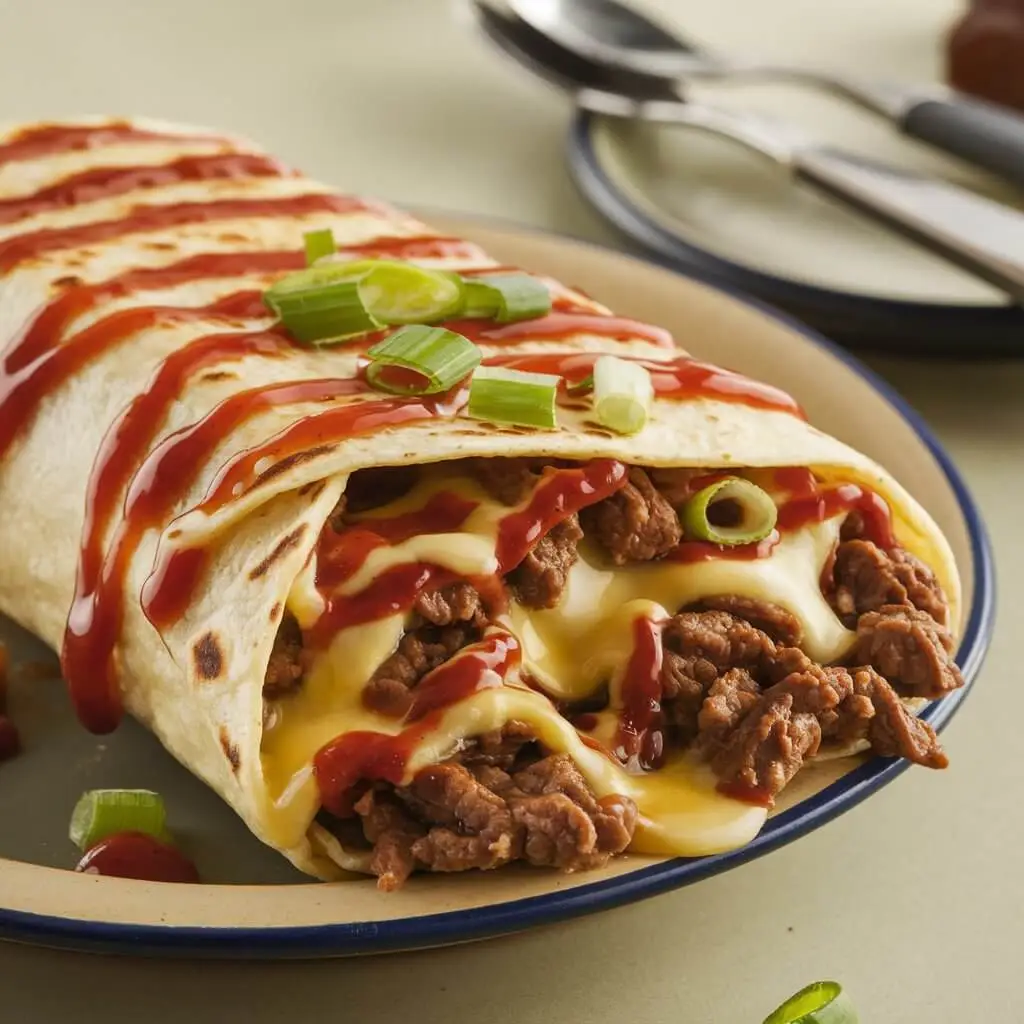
(622, 394)
(319, 244)
(421, 360)
(506, 297)
(333, 302)
(513, 396)
(823, 1002)
(730, 511)
(103, 812)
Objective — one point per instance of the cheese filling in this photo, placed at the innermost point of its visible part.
(569, 651)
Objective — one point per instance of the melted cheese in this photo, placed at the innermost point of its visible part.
(571, 649)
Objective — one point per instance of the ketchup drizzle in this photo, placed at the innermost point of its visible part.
(144, 218)
(640, 733)
(105, 182)
(679, 378)
(48, 139)
(562, 325)
(371, 756)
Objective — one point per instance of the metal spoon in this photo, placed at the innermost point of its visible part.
(982, 236)
(610, 32)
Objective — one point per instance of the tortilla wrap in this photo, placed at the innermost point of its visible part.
(196, 682)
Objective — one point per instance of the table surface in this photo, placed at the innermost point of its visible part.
(912, 899)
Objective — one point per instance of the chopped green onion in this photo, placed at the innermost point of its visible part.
(103, 812)
(335, 301)
(584, 387)
(823, 1002)
(319, 244)
(730, 511)
(420, 360)
(513, 396)
(622, 394)
(506, 297)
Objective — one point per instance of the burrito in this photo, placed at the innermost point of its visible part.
(423, 562)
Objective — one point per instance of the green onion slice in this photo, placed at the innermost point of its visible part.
(332, 302)
(103, 812)
(513, 396)
(506, 297)
(421, 360)
(731, 511)
(319, 244)
(622, 394)
(823, 1002)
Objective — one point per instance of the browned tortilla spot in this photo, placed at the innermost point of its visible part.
(275, 611)
(296, 459)
(68, 281)
(285, 544)
(158, 246)
(218, 375)
(230, 750)
(173, 534)
(208, 658)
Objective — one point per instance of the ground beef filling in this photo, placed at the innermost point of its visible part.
(501, 800)
(736, 687)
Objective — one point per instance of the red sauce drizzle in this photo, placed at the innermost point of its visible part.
(105, 182)
(816, 508)
(705, 551)
(339, 555)
(679, 378)
(640, 733)
(58, 138)
(481, 666)
(559, 494)
(370, 756)
(137, 855)
(154, 218)
(562, 325)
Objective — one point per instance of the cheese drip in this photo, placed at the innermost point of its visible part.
(571, 649)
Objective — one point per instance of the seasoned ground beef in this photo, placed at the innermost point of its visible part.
(782, 626)
(756, 709)
(677, 485)
(910, 649)
(507, 480)
(420, 651)
(538, 581)
(866, 578)
(636, 523)
(471, 813)
(762, 745)
(289, 661)
(458, 602)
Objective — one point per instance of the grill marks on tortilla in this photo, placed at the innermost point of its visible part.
(287, 543)
(231, 751)
(208, 657)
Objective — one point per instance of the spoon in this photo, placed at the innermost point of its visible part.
(610, 32)
(982, 236)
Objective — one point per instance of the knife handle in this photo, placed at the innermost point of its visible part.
(980, 235)
(981, 133)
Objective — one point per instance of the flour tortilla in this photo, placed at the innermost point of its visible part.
(211, 721)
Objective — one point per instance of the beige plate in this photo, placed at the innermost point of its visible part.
(261, 906)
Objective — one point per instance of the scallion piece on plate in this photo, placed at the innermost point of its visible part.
(319, 244)
(421, 360)
(823, 1002)
(513, 396)
(332, 302)
(506, 297)
(103, 812)
(730, 511)
(622, 394)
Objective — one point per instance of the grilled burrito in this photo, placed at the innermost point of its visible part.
(400, 627)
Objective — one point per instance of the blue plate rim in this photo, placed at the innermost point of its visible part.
(405, 934)
(917, 328)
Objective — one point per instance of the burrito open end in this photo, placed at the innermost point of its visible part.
(394, 635)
